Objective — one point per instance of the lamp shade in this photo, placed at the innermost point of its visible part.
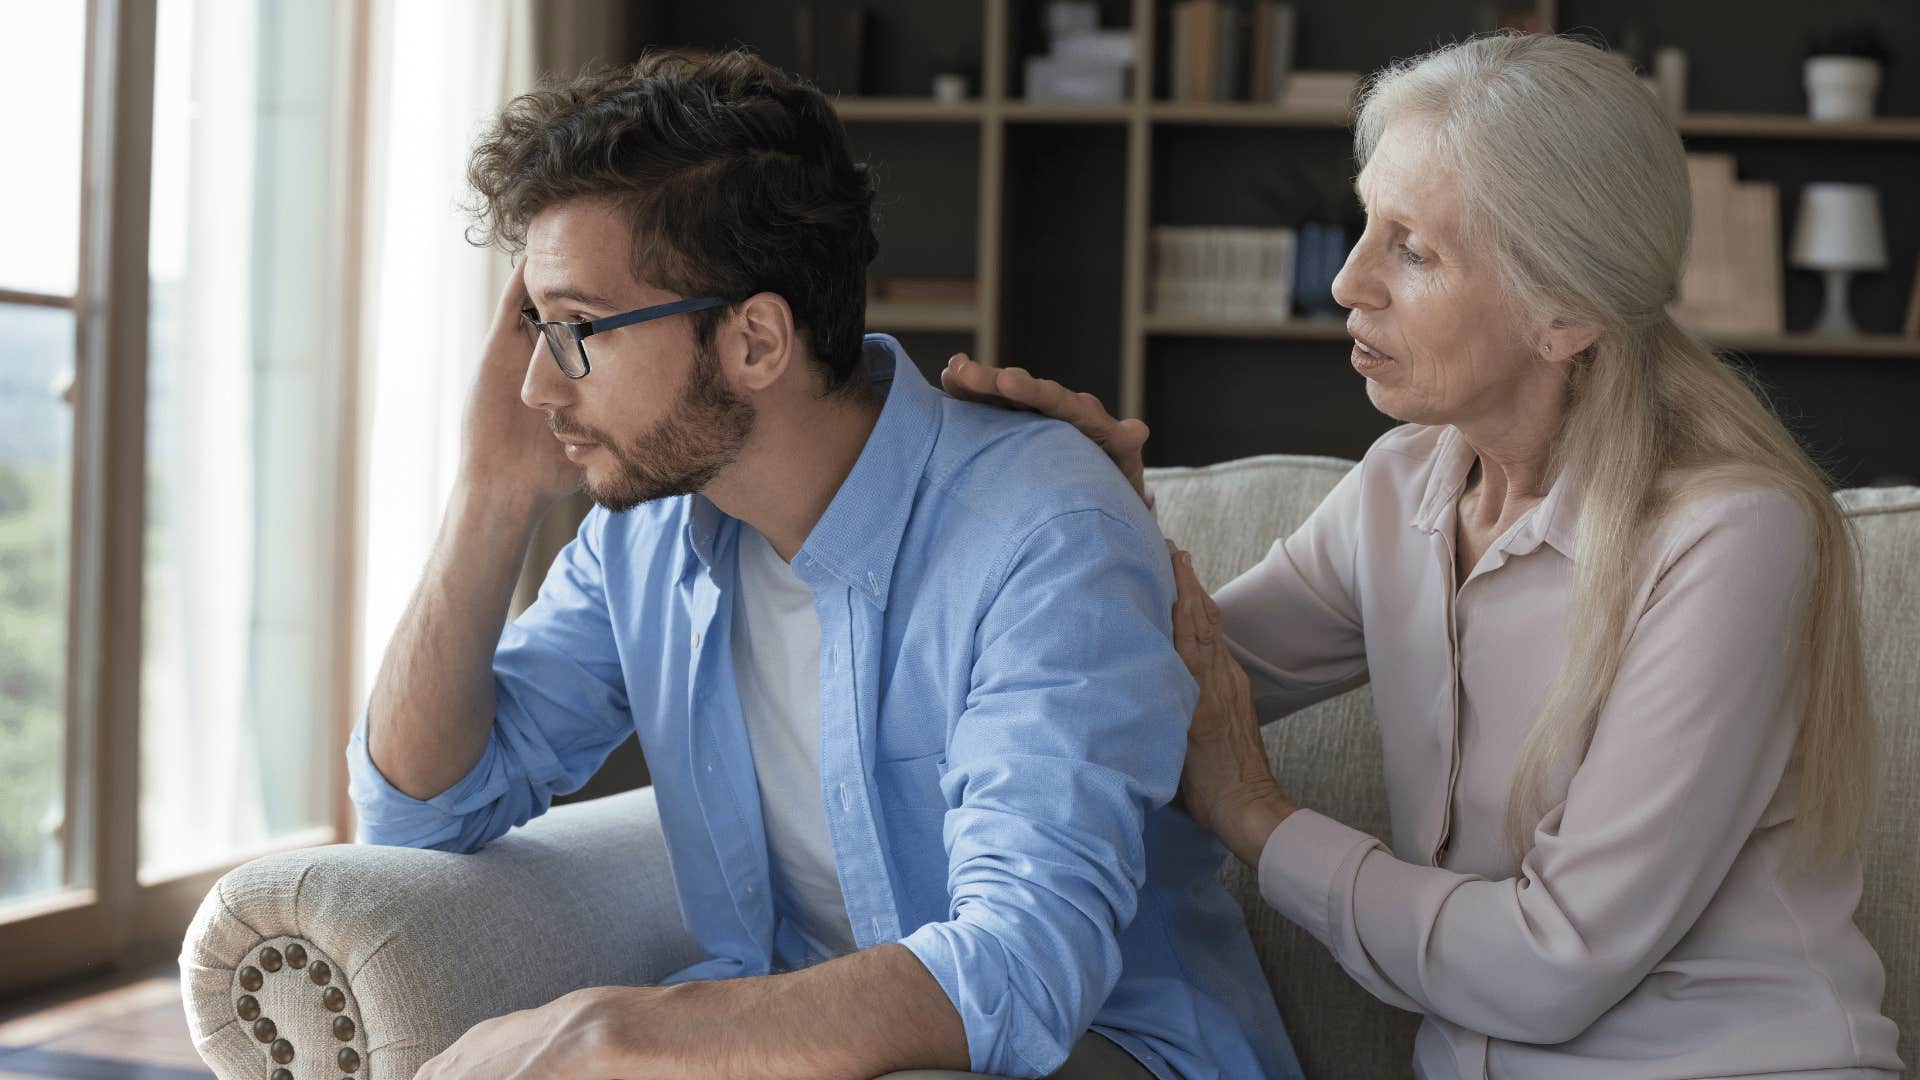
(1839, 228)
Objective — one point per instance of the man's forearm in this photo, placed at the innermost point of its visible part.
(432, 703)
(874, 1012)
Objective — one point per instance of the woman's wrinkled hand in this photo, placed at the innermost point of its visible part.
(1225, 784)
(1015, 388)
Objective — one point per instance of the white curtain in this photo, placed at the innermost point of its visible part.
(202, 536)
(439, 70)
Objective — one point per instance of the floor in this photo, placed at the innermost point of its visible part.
(124, 1027)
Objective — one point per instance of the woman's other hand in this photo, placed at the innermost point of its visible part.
(1225, 784)
(1015, 388)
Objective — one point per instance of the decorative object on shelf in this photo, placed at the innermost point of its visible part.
(1272, 56)
(1322, 251)
(1084, 63)
(1843, 73)
(1839, 233)
(1670, 80)
(950, 88)
(1208, 50)
(1732, 283)
(1222, 272)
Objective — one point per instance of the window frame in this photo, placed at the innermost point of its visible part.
(114, 918)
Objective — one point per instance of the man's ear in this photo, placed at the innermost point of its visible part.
(762, 344)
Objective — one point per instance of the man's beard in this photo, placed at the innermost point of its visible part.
(681, 455)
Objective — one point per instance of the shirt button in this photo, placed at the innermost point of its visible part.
(873, 582)
(696, 639)
(876, 927)
(846, 799)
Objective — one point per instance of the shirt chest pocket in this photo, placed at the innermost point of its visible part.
(912, 784)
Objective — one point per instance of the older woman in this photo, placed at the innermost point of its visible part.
(1606, 605)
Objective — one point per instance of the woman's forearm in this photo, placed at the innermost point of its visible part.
(1245, 827)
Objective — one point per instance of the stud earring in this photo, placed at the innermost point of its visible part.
(1549, 347)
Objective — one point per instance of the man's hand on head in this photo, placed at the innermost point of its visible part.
(507, 450)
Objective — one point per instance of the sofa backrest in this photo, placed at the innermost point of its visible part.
(1328, 757)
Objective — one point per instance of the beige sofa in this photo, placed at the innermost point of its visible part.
(399, 951)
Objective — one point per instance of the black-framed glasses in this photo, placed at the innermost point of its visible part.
(567, 341)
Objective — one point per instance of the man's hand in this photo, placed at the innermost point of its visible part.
(507, 449)
(599, 1033)
(1015, 388)
(877, 1011)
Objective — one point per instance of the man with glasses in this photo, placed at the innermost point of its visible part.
(900, 665)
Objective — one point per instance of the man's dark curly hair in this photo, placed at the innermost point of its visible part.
(734, 175)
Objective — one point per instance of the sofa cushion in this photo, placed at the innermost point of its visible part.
(1328, 757)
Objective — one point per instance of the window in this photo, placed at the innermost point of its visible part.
(172, 361)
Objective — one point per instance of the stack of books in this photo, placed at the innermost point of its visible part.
(1222, 273)
(1732, 280)
(1208, 49)
(1223, 50)
(1271, 51)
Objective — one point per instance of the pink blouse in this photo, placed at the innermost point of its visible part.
(1650, 930)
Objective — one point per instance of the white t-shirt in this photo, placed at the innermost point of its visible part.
(776, 664)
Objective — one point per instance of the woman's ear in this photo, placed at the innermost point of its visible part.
(766, 342)
(1563, 341)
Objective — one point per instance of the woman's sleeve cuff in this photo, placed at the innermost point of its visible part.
(1307, 869)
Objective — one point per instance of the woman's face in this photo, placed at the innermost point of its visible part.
(1444, 347)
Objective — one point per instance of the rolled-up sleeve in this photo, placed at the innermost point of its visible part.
(1688, 752)
(1075, 728)
(560, 707)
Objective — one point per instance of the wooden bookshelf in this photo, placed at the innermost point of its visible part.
(887, 316)
(1247, 114)
(1064, 198)
(1048, 112)
(1889, 346)
(907, 110)
(1762, 126)
(1886, 346)
(1328, 329)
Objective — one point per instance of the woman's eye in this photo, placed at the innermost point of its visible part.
(1412, 257)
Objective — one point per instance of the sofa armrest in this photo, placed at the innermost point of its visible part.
(381, 957)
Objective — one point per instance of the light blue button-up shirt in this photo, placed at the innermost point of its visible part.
(1002, 723)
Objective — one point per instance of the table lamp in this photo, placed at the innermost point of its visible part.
(1838, 233)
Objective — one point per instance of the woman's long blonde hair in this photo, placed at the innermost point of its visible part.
(1575, 184)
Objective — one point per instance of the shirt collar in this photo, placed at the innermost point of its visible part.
(1554, 521)
(858, 538)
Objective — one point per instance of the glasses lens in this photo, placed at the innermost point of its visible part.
(565, 349)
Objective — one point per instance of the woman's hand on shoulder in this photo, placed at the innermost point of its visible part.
(1225, 784)
(1016, 388)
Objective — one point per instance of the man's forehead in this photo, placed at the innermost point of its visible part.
(578, 251)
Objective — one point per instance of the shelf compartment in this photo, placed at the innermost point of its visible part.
(884, 316)
(1770, 126)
